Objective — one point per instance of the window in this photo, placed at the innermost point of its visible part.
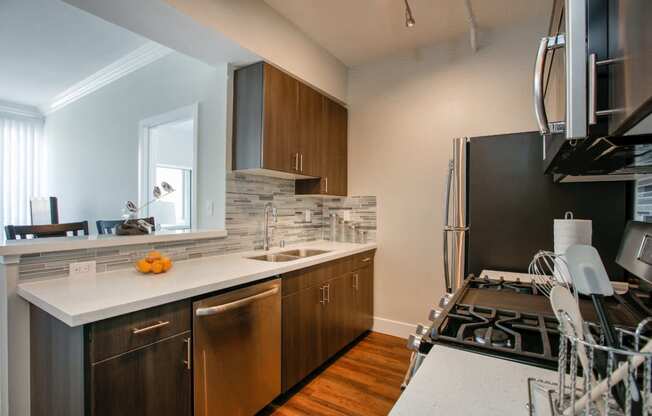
(173, 210)
(168, 153)
(21, 167)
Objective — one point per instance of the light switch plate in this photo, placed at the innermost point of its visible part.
(83, 269)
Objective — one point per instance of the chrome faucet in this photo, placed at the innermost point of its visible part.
(268, 238)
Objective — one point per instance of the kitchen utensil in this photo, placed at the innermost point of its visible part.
(567, 311)
(568, 314)
(549, 270)
(590, 278)
(616, 377)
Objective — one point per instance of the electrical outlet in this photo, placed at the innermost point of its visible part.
(83, 269)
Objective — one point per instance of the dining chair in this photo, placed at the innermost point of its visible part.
(23, 232)
(108, 226)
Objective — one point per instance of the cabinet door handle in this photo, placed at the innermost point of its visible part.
(355, 281)
(327, 293)
(326, 182)
(322, 296)
(301, 162)
(187, 361)
(296, 161)
(159, 324)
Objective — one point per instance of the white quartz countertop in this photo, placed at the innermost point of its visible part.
(80, 300)
(455, 382)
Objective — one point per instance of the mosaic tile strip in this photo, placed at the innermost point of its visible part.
(643, 204)
(246, 196)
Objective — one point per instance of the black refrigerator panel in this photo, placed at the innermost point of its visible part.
(511, 205)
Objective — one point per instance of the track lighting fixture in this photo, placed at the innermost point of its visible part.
(409, 19)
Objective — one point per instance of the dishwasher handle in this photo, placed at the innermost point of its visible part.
(235, 304)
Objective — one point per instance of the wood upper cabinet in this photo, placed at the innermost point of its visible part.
(311, 130)
(332, 153)
(283, 126)
(280, 120)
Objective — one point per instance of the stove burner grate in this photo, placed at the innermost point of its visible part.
(502, 331)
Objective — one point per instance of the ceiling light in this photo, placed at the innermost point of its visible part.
(409, 19)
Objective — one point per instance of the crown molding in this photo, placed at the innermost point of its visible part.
(20, 110)
(144, 55)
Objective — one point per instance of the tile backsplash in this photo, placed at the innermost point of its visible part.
(643, 204)
(246, 196)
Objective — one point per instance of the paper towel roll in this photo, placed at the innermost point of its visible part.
(570, 231)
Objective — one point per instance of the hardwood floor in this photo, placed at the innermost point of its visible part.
(363, 380)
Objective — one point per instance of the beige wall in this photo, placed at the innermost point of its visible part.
(403, 114)
(259, 28)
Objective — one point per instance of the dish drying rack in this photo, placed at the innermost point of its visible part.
(590, 395)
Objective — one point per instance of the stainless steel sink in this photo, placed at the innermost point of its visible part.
(303, 252)
(274, 257)
(289, 255)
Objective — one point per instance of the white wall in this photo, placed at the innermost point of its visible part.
(260, 29)
(93, 142)
(237, 31)
(403, 114)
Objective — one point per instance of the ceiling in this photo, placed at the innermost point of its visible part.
(361, 31)
(48, 46)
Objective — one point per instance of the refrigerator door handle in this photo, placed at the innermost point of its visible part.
(447, 226)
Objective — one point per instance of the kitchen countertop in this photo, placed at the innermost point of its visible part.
(81, 300)
(454, 382)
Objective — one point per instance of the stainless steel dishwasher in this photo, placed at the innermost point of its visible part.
(237, 350)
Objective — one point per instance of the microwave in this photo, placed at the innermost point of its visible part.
(593, 90)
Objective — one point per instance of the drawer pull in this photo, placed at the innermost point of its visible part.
(355, 281)
(366, 260)
(187, 361)
(158, 325)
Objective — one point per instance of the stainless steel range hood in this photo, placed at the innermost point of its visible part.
(604, 65)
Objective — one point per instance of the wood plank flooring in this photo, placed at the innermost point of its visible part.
(363, 380)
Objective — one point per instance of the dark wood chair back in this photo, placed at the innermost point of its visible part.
(23, 232)
(108, 226)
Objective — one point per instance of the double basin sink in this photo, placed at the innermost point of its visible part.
(289, 255)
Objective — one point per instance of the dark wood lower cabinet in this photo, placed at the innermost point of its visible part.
(140, 363)
(150, 381)
(320, 320)
(148, 371)
(303, 328)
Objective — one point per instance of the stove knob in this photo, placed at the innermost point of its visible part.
(421, 330)
(434, 314)
(413, 342)
(445, 299)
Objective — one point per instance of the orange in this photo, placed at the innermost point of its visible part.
(167, 263)
(143, 266)
(157, 267)
(153, 256)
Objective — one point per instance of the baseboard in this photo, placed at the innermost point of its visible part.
(391, 327)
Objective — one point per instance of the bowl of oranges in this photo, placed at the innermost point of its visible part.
(154, 263)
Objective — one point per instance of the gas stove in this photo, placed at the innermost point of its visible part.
(506, 316)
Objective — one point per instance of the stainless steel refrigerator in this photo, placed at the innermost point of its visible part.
(500, 206)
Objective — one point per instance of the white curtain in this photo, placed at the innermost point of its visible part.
(22, 165)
